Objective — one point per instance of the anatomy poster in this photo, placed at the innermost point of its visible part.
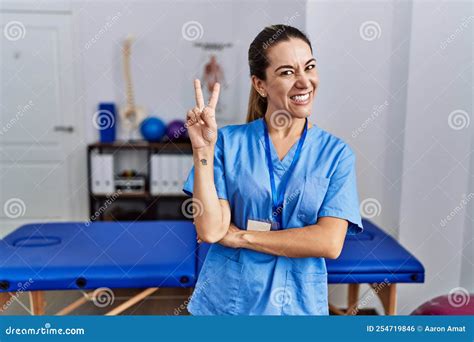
(218, 64)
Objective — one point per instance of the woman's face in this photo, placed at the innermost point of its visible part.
(292, 78)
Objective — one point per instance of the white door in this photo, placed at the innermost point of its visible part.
(40, 140)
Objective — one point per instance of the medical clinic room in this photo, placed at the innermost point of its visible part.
(236, 158)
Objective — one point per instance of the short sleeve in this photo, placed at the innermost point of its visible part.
(219, 172)
(341, 198)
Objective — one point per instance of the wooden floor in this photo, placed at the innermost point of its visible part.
(167, 302)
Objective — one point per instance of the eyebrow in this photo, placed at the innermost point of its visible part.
(291, 67)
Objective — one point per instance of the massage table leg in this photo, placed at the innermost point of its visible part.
(132, 301)
(4, 298)
(352, 299)
(352, 302)
(73, 306)
(37, 302)
(335, 310)
(119, 309)
(388, 297)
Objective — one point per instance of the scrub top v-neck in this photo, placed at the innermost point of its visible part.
(279, 192)
(323, 183)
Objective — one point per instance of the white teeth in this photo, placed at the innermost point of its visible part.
(300, 98)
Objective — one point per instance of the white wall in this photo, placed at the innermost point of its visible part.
(409, 160)
(164, 63)
(362, 52)
(437, 157)
(467, 274)
(363, 84)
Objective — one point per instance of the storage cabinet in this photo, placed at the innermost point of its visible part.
(153, 191)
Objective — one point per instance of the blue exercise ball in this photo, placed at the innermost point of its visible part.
(153, 129)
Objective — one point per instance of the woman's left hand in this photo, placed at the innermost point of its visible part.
(233, 238)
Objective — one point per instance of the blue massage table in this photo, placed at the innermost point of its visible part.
(373, 257)
(155, 254)
(79, 256)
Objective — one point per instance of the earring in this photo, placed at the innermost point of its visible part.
(262, 94)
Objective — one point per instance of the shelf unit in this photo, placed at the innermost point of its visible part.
(157, 207)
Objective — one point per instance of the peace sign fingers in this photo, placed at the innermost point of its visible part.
(200, 98)
(214, 96)
(201, 120)
(198, 94)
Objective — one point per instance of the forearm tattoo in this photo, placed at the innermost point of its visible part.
(204, 161)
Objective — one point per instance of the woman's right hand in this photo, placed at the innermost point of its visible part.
(201, 120)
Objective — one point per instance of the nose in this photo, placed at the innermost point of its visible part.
(302, 81)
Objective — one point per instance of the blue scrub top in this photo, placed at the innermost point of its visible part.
(246, 282)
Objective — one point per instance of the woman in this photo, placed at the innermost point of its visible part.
(275, 196)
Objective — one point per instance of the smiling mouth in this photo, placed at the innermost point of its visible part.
(301, 98)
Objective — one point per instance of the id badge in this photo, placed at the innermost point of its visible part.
(259, 226)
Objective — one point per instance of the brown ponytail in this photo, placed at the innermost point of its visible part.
(257, 106)
(258, 62)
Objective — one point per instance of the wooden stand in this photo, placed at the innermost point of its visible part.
(386, 293)
(38, 304)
